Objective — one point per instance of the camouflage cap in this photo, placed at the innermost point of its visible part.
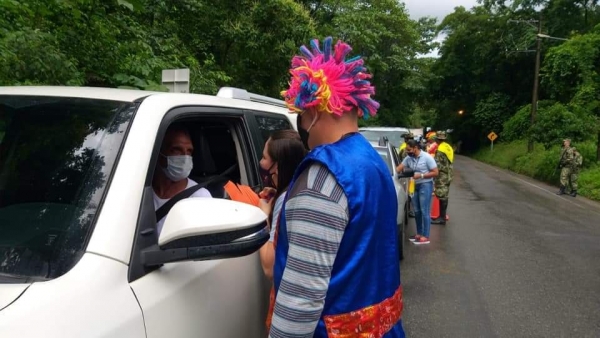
(567, 139)
(440, 135)
(408, 136)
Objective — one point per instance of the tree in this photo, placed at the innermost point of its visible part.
(572, 74)
(474, 63)
(557, 121)
(491, 112)
(382, 33)
(29, 57)
(481, 72)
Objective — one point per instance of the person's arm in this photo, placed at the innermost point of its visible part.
(267, 258)
(316, 217)
(267, 251)
(569, 157)
(442, 162)
(431, 174)
(431, 166)
(438, 157)
(401, 166)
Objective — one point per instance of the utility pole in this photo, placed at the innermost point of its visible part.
(534, 99)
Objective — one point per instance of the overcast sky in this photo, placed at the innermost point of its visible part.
(435, 8)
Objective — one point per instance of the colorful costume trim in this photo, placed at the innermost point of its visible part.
(326, 82)
(371, 322)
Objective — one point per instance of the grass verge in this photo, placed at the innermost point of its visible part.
(541, 163)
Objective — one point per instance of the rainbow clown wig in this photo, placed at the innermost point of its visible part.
(326, 82)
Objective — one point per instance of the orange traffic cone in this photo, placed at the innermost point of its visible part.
(435, 207)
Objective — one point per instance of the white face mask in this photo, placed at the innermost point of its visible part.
(178, 167)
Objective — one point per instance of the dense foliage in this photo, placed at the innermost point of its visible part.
(243, 43)
(486, 68)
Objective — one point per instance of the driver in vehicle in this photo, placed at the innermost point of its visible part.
(173, 168)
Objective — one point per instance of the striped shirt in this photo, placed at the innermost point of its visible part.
(316, 216)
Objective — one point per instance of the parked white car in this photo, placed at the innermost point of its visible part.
(79, 252)
(390, 156)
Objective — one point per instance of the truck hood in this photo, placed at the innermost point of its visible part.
(10, 292)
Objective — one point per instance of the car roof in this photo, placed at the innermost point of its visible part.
(131, 95)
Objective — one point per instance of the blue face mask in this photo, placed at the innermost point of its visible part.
(178, 167)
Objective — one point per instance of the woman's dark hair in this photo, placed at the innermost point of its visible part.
(287, 150)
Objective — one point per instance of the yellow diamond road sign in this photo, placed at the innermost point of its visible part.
(492, 136)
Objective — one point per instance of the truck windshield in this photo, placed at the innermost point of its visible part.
(56, 157)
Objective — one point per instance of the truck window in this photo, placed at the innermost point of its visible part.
(221, 153)
(270, 123)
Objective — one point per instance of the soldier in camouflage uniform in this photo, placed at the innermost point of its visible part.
(444, 157)
(566, 164)
(402, 151)
(577, 163)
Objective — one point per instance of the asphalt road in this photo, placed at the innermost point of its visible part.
(515, 260)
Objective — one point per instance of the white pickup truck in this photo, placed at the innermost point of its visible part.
(79, 252)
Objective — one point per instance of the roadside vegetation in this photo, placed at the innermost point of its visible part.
(480, 81)
(542, 163)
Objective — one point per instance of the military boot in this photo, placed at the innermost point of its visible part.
(561, 191)
(442, 219)
(574, 193)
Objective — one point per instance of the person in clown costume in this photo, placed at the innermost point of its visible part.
(336, 271)
(431, 144)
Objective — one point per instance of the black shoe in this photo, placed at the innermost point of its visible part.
(574, 193)
(561, 191)
(439, 220)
